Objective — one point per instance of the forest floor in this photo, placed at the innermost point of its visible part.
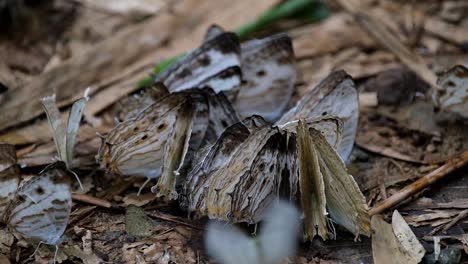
(71, 45)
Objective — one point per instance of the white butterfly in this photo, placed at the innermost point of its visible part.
(278, 238)
(65, 136)
(39, 210)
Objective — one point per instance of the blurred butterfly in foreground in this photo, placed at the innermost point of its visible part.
(39, 209)
(277, 240)
(254, 163)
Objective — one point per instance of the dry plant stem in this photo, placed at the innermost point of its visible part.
(447, 226)
(378, 31)
(91, 200)
(164, 217)
(421, 183)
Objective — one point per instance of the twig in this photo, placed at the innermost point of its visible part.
(84, 198)
(421, 183)
(167, 218)
(452, 222)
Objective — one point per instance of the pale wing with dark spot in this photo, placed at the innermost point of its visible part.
(42, 207)
(211, 58)
(335, 96)
(268, 74)
(136, 146)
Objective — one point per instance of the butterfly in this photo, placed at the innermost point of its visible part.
(268, 75)
(156, 142)
(257, 76)
(65, 136)
(253, 163)
(39, 209)
(452, 92)
(281, 225)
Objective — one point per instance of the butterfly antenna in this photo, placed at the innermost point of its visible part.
(142, 186)
(77, 178)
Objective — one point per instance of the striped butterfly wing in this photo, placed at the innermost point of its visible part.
(335, 96)
(240, 175)
(205, 65)
(42, 206)
(136, 146)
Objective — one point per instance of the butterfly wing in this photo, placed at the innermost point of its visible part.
(311, 185)
(136, 146)
(73, 125)
(452, 93)
(268, 75)
(56, 125)
(130, 106)
(42, 206)
(210, 59)
(175, 152)
(234, 181)
(335, 96)
(345, 202)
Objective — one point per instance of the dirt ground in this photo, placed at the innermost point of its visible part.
(64, 47)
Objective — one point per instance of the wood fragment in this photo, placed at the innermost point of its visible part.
(447, 226)
(84, 198)
(422, 183)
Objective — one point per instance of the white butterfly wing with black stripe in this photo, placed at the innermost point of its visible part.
(42, 206)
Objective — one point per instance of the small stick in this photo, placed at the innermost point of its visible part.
(447, 226)
(421, 183)
(169, 219)
(91, 200)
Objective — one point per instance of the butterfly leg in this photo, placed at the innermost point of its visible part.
(55, 255)
(35, 251)
(142, 186)
(77, 178)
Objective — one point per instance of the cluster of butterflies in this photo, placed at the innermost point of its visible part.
(216, 130)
